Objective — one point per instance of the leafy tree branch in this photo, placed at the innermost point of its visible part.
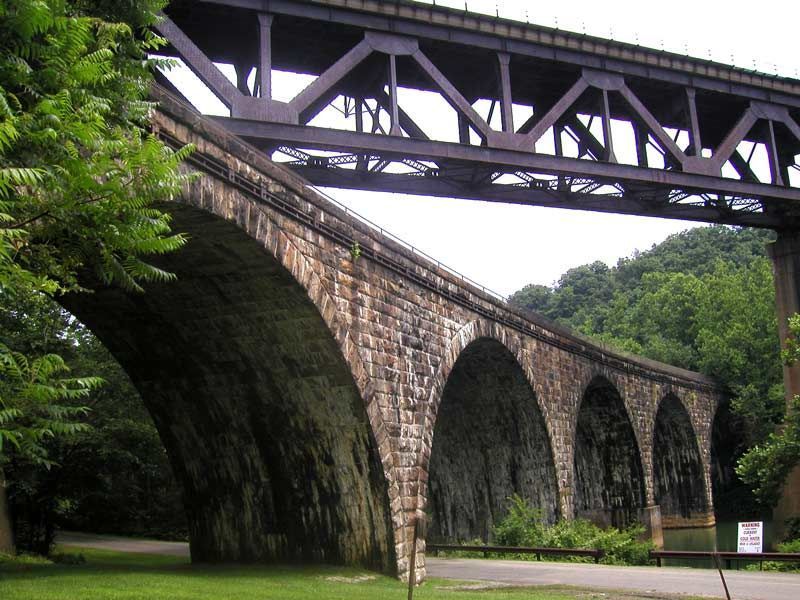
(81, 180)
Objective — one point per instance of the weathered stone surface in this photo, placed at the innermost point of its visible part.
(256, 406)
(609, 480)
(302, 395)
(678, 469)
(490, 441)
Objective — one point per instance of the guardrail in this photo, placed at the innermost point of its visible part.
(539, 552)
(408, 246)
(728, 557)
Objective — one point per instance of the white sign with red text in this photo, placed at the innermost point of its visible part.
(751, 536)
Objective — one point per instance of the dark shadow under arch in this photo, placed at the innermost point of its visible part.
(731, 497)
(489, 442)
(609, 481)
(254, 402)
(678, 481)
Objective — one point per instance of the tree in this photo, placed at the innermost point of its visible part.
(37, 407)
(79, 174)
(657, 319)
(533, 297)
(37, 410)
(765, 466)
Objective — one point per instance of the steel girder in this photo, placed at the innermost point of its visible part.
(689, 122)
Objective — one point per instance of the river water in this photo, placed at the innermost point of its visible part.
(724, 534)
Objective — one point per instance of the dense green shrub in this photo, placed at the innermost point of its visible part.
(524, 526)
(792, 545)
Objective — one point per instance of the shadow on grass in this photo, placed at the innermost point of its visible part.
(107, 575)
(109, 562)
(111, 575)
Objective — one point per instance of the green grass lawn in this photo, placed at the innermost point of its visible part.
(115, 576)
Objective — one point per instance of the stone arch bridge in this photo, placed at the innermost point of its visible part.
(311, 400)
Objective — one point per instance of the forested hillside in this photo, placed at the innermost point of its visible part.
(704, 300)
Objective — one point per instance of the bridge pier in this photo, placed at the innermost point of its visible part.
(651, 519)
(785, 255)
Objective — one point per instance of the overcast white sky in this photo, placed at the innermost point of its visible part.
(505, 247)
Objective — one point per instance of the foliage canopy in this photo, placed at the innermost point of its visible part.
(81, 180)
(703, 300)
(766, 465)
(112, 476)
(79, 174)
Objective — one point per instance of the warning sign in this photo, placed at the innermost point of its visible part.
(751, 536)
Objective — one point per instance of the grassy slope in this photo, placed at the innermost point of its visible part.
(116, 576)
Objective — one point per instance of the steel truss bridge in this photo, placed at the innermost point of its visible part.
(530, 114)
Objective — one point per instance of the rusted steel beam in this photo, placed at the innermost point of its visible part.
(504, 35)
(333, 139)
(629, 205)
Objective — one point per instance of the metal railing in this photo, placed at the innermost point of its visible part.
(408, 246)
(539, 552)
(728, 557)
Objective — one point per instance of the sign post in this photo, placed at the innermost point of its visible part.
(751, 536)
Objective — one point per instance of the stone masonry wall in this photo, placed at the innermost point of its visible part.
(401, 324)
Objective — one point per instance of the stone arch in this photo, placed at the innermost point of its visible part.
(678, 473)
(609, 479)
(258, 391)
(472, 331)
(490, 438)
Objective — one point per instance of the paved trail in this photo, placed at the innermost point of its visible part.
(743, 585)
(122, 544)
